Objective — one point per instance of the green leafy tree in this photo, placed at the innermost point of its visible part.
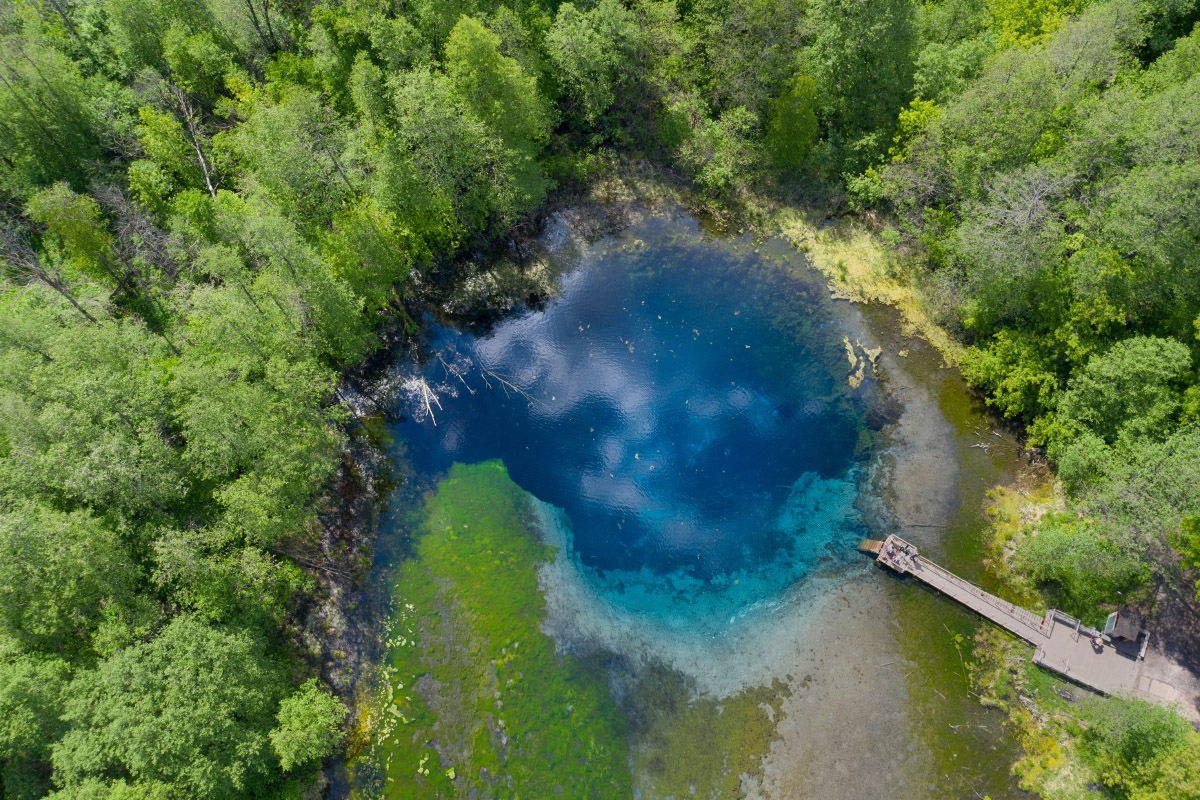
(1082, 566)
(443, 171)
(739, 54)
(61, 576)
(1131, 391)
(368, 247)
(1147, 490)
(163, 139)
(722, 152)
(75, 221)
(292, 150)
(32, 693)
(47, 118)
(593, 52)
(309, 726)
(792, 129)
(1127, 741)
(495, 87)
(91, 422)
(861, 57)
(1022, 22)
(213, 574)
(192, 708)
(956, 40)
(251, 415)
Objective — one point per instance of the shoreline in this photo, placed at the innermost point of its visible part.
(599, 218)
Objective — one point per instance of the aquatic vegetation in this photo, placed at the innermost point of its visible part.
(689, 746)
(478, 697)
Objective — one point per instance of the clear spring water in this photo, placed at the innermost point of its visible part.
(683, 399)
(681, 410)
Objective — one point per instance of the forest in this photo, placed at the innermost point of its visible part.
(210, 209)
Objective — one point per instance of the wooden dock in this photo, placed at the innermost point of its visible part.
(1063, 644)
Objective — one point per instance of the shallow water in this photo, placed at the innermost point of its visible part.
(704, 457)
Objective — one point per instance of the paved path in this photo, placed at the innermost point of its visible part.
(1062, 643)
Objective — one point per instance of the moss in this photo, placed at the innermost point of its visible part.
(477, 697)
(688, 746)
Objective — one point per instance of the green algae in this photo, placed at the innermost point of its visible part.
(477, 701)
(688, 746)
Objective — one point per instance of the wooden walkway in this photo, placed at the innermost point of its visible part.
(1062, 643)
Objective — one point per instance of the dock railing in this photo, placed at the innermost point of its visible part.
(1024, 615)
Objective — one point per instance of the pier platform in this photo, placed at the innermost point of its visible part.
(1062, 643)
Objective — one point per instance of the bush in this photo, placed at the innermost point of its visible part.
(1140, 750)
(1082, 566)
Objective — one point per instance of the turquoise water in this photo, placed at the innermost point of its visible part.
(685, 405)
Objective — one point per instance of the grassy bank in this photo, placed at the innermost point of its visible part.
(854, 254)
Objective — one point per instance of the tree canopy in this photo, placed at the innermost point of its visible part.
(211, 210)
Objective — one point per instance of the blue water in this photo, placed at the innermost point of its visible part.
(683, 399)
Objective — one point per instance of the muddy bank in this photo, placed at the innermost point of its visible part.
(339, 626)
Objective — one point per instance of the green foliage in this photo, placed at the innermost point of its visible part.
(50, 122)
(198, 62)
(1021, 378)
(1083, 568)
(61, 577)
(75, 221)
(1139, 749)
(739, 54)
(206, 207)
(1022, 22)
(444, 173)
(495, 87)
(861, 57)
(162, 138)
(1148, 488)
(85, 419)
(308, 730)
(722, 152)
(1174, 775)
(955, 42)
(192, 708)
(1129, 392)
(792, 128)
(32, 694)
(911, 120)
(211, 574)
(1078, 302)
(591, 52)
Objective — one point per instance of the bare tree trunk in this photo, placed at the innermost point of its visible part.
(26, 262)
(266, 6)
(257, 26)
(37, 120)
(189, 121)
(62, 12)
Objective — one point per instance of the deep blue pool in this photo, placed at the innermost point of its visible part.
(672, 398)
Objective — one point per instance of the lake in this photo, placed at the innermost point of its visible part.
(703, 435)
